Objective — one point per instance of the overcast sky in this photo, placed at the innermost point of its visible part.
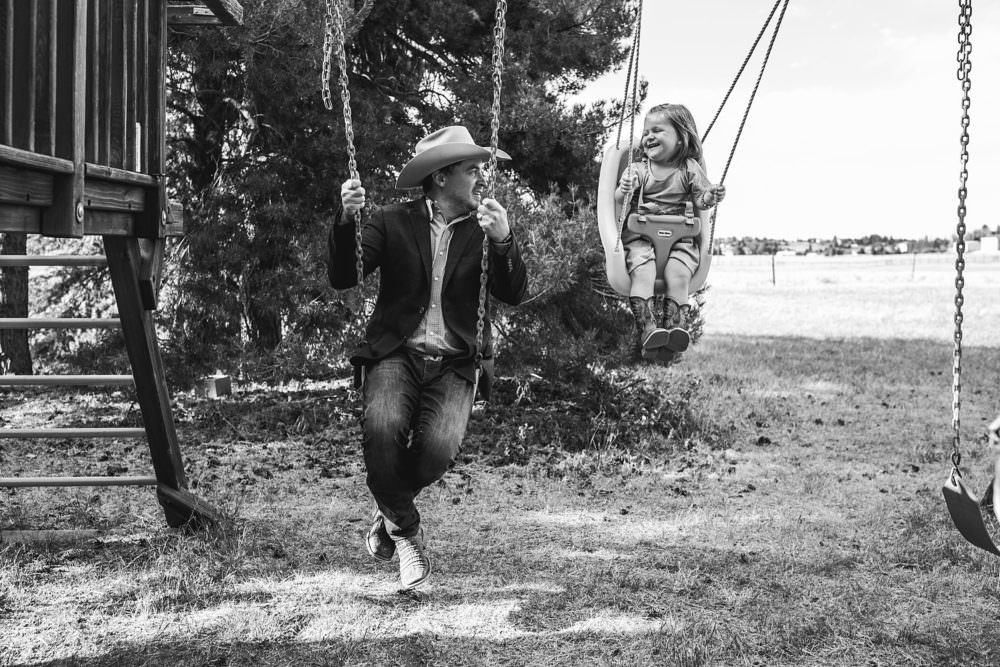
(855, 129)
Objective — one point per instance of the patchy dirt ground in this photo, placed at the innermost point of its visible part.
(777, 503)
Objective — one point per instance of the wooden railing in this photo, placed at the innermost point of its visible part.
(82, 116)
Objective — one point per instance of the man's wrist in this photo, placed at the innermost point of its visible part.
(503, 245)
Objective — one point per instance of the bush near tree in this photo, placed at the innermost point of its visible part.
(257, 160)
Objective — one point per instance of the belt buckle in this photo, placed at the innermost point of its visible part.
(434, 357)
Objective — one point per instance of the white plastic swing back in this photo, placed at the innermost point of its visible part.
(608, 211)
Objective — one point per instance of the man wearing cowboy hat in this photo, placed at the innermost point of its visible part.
(418, 355)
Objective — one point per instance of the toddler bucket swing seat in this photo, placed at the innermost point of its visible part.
(663, 231)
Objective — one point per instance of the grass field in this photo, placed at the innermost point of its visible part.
(799, 522)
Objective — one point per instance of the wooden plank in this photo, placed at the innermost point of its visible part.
(152, 223)
(59, 323)
(23, 133)
(124, 261)
(93, 79)
(24, 187)
(142, 87)
(111, 196)
(191, 15)
(119, 175)
(118, 69)
(54, 536)
(47, 163)
(52, 77)
(27, 482)
(109, 223)
(150, 270)
(7, 24)
(65, 380)
(130, 24)
(45, 45)
(65, 216)
(183, 509)
(230, 12)
(104, 91)
(63, 433)
(22, 219)
(53, 260)
(175, 219)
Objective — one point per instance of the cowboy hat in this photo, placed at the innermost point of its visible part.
(439, 149)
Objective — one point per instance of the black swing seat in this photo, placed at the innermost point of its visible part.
(970, 514)
(663, 231)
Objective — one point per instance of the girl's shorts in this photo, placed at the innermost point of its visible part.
(639, 251)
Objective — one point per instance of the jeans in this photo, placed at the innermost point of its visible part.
(415, 414)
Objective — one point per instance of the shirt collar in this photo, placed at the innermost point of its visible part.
(433, 208)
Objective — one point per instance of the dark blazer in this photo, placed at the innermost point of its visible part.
(397, 240)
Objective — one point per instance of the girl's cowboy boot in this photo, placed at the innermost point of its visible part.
(675, 320)
(649, 338)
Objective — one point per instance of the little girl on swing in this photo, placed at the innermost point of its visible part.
(671, 175)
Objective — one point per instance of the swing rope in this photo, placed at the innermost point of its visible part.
(632, 104)
(739, 74)
(499, 33)
(746, 113)
(632, 66)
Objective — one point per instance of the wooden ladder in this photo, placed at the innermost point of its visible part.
(134, 265)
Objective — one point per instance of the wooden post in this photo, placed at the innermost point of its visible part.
(151, 223)
(65, 216)
(181, 508)
(773, 276)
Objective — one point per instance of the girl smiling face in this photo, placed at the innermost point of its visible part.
(660, 139)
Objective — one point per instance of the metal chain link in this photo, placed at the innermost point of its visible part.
(964, 73)
(499, 33)
(327, 56)
(334, 46)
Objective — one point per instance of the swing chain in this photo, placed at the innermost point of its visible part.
(499, 34)
(964, 73)
(334, 45)
(327, 56)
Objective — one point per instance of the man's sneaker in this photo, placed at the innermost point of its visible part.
(414, 568)
(377, 540)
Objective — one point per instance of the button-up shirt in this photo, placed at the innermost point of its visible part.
(432, 336)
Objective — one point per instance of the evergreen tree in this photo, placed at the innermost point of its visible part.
(258, 160)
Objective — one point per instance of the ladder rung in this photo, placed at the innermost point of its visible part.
(64, 380)
(19, 482)
(53, 260)
(56, 433)
(58, 323)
